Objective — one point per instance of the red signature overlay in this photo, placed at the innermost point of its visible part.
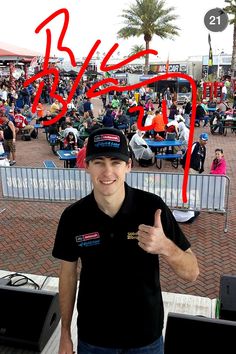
(112, 82)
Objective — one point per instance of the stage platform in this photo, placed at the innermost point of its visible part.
(173, 302)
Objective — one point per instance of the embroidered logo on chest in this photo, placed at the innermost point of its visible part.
(86, 240)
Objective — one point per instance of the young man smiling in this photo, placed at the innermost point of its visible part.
(119, 233)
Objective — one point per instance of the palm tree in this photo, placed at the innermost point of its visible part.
(231, 10)
(136, 49)
(148, 18)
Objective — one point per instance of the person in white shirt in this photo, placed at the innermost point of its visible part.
(183, 133)
(139, 147)
(224, 93)
(70, 129)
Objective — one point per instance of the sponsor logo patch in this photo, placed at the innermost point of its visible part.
(132, 235)
(86, 240)
(107, 137)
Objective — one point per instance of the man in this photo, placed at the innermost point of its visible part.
(158, 124)
(118, 232)
(187, 111)
(21, 123)
(224, 93)
(88, 108)
(168, 97)
(206, 112)
(198, 155)
(9, 133)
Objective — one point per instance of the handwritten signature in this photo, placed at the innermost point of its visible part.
(110, 83)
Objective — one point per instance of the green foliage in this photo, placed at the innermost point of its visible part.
(148, 18)
(136, 49)
(231, 10)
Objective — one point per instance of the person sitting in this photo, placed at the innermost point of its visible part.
(22, 124)
(142, 152)
(158, 124)
(115, 103)
(27, 113)
(70, 129)
(108, 119)
(223, 107)
(149, 117)
(95, 125)
(70, 141)
(149, 106)
(217, 124)
(172, 127)
(121, 119)
(200, 115)
(218, 166)
(206, 112)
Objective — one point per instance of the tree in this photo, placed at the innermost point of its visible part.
(231, 10)
(148, 18)
(136, 48)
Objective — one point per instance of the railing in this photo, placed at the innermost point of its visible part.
(204, 192)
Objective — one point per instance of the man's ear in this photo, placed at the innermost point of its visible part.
(129, 164)
(86, 164)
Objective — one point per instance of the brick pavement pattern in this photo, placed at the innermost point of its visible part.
(27, 229)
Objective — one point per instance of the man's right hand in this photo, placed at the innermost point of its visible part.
(66, 345)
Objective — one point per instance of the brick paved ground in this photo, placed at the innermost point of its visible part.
(27, 229)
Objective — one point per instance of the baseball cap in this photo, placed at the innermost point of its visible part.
(203, 136)
(108, 142)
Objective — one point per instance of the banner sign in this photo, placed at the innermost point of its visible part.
(204, 191)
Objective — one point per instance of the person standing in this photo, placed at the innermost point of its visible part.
(80, 159)
(198, 155)
(218, 166)
(183, 133)
(9, 133)
(88, 108)
(187, 112)
(224, 93)
(119, 233)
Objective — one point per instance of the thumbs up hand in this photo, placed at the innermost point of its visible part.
(152, 238)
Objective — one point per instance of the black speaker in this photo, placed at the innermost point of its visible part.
(228, 297)
(28, 317)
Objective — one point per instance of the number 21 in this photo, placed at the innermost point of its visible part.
(213, 20)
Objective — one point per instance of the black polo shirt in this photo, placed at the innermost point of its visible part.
(119, 301)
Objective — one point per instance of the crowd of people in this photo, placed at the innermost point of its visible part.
(126, 221)
(80, 120)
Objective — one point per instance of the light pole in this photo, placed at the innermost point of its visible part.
(220, 52)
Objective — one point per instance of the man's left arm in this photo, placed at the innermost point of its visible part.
(12, 127)
(152, 239)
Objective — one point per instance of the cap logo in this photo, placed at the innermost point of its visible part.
(104, 137)
(107, 140)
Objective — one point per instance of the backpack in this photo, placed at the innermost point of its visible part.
(34, 134)
(53, 139)
(145, 163)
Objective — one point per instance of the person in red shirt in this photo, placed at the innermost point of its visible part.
(21, 123)
(80, 160)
